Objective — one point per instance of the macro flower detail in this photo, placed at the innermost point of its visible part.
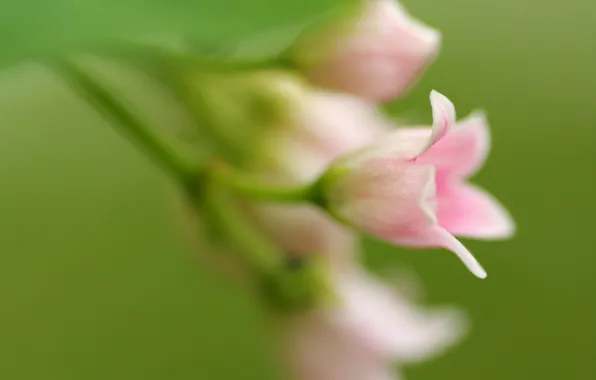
(376, 55)
(410, 187)
(281, 155)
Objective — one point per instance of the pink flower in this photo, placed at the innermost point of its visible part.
(411, 188)
(376, 55)
(366, 332)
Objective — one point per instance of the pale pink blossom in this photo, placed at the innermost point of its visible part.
(366, 332)
(411, 187)
(376, 55)
(321, 126)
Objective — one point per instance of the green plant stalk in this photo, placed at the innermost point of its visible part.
(285, 287)
(219, 206)
(175, 65)
(128, 124)
(199, 109)
(287, 284)
(248, 185)
(185, 57)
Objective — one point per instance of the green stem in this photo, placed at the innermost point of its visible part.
(232, 64)
(188, 72)
(202, 113)
(286, 284)
(257, 252)
(186, 58)
(127, 123)
(249, 185)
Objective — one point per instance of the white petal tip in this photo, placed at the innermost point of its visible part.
(473, 265)
(436, 96)
(500, 227)
(433, 37)
(451, 243)
(441, 103)
(479, 114)
(482, 274)
(443, 112)
(505, 228)
(507, 231)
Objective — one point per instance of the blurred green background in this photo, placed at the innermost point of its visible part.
(96, 283)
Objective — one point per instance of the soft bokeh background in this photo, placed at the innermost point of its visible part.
(96, 284)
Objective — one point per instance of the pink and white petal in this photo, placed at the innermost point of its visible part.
(413, 143)
(385, 196)
(304, 230)
(297, 161)
(463, 150)
(437, 236)
(451, 243)
(318, 349)
(336, 123)
(466, 210)
(389, 324)
(386, 371)
(443, 117)
(406, 143)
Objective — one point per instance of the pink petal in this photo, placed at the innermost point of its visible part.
(437, 236)
(384, 197)
(305, 230)
(463, 150)
(389, 324)
(293, 159)
(443, 117)
(451, 243)
(322, 126)
(316, 349)
(466, 210)
(404, 143)
(415, 142)
(336, 123)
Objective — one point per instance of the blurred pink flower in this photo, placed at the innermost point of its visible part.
(366, 332)
(376, 55)
(304, 230)
(410, 188)
(322, 126)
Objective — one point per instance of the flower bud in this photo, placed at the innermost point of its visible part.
(235, 109)
(376, 54)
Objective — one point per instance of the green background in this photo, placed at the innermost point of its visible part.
(96, 282)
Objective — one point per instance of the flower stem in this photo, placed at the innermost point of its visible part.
(185, 57)
(248, 185)
(286, 283)
(220, 209)
(128, 124)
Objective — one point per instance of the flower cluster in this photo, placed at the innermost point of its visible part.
(361, 172)
(295, 160)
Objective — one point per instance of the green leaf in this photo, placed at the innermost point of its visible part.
(31, 29)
